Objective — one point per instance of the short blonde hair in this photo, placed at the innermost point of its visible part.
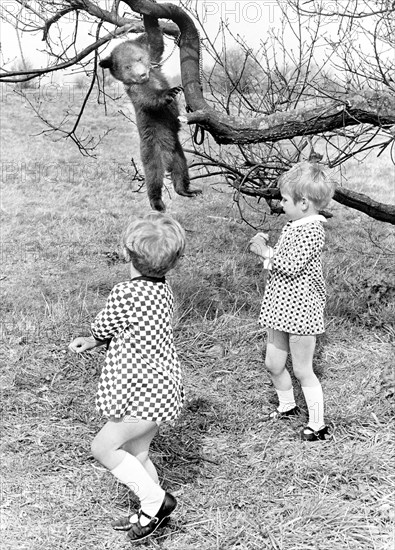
(308, 180)
(154, 243)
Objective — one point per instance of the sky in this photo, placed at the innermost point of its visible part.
(250, 19)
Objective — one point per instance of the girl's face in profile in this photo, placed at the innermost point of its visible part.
(294, 210)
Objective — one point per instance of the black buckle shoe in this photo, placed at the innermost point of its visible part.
(122, 524)
(323, 434)
(277, 415)
(138, 532)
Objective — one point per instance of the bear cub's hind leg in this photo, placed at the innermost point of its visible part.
(154, 174)
(179, 173)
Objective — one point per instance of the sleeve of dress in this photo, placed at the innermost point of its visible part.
(267, 262)
(309, 243)
(115, 316)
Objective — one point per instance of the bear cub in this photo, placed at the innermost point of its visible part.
(135, 63)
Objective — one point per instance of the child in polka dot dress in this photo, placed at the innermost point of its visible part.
(294, 298)
(140, 385)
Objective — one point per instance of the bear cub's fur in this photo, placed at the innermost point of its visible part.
(134, 63)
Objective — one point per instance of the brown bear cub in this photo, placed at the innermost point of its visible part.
(135, 64)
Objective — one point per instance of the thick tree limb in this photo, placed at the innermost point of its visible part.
(363, 203)
(357, 201)
(377, 109)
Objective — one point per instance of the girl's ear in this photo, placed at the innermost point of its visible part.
(305, 203)
(126, 254)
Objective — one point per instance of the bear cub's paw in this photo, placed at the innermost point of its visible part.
(172, 93)
(157, 204)
(189, 192)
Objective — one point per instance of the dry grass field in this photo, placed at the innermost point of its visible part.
(242, 484)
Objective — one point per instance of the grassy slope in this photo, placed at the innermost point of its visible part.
(241, 483)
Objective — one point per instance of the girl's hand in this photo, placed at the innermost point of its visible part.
(83, 343)
(258, 245)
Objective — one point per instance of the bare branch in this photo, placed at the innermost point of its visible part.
(54, 19)
(363, 203)
(7, 76)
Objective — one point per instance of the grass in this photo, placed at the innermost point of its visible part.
(242, 484)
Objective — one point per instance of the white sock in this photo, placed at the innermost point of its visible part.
(315, 404)
(286, 400)
(133, 474)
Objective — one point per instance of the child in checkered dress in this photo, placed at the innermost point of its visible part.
(294, 299)
(140, 385)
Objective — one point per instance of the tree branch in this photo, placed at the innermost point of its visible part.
(113, 16)
(9, 76)
(363, 203)
(377, 109)
(358, 201)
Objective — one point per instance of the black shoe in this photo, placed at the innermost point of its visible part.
(277, 415)
(138, 532)
(323, 434)
(122, 524)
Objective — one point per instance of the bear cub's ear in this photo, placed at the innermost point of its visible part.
(106, 63)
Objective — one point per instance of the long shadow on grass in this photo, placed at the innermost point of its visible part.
(177, 449)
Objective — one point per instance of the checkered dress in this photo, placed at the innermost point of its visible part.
(295, 296)
(141, 377)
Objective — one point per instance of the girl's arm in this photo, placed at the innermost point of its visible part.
(115, 316)
(307, 244)
(258, 245)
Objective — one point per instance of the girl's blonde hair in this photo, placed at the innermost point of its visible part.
(308, 180)
(153, 243)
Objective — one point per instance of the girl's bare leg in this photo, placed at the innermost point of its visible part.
(302, 351)
(276, 356)
(108, 445)
(277, 349)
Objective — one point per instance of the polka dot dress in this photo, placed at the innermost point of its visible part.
(295, 296)
(141, 377)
